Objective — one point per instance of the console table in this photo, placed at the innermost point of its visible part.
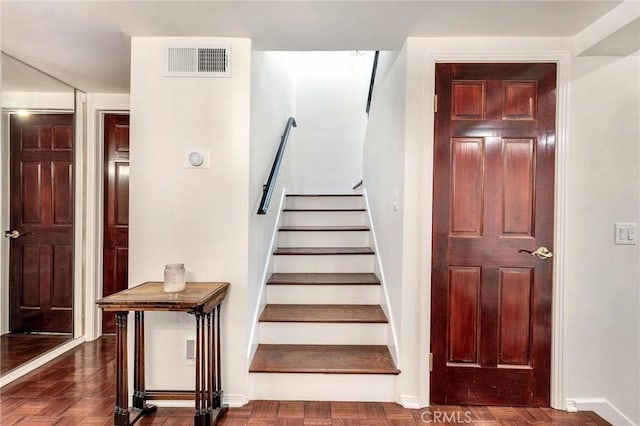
(201, 299)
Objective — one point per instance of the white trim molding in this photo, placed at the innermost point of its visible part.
(387, 303)
(97, 105)
(410, 402)
(601, 407)
(233, 401)
(268, 264)
(563, 60)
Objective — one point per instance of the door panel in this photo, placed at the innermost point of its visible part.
(466, 186)
(493, 198)
(41, 204)
(116, 210)
(464, 298)
(518, 164)
(61, 192)
(514, 316)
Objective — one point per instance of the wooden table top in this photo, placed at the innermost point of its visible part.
(150, 296)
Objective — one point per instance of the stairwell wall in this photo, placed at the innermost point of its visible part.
(383, 175)
(195, 216)
(331, 95)
(272, 103)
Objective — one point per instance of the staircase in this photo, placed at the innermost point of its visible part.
(323, 334)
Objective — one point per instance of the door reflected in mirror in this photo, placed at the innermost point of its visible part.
(37, 163)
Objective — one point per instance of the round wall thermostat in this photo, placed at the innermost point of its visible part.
(196, 158)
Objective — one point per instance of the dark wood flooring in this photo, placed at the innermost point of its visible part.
(17, 349)
(78, 389)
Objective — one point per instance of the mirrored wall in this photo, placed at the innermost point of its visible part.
(37, 214)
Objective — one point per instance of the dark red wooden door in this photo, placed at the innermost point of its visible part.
(493, 198)
(41, 209)
(116, 210)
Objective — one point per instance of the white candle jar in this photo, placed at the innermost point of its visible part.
(174, 277)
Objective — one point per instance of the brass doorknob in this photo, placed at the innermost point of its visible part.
(15, 234)
(540, 252)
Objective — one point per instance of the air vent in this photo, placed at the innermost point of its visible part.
(198, 62)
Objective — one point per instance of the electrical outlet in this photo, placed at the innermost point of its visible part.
(191, 352)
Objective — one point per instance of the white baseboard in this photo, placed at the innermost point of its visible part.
(411, 402)
(601, 407)
(233, 401)
(393, 341)
(40, 361)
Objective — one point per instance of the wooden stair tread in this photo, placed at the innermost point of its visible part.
(323, 313)
(323, 279)
(324, 195)
(322, 250)
(324, 210)
(324, 228)
(332, 359)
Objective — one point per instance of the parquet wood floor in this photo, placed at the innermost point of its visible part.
(16, 349)
(78, 389)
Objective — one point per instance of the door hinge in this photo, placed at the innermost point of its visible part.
(435, 103)
(430, 362)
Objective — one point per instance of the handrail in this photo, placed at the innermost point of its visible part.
(267, 190)
(373, 80)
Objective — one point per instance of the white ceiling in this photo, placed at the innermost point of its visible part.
(18, 77)
(87, 43)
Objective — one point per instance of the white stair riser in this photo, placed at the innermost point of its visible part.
(323, 218)
(324, 203)
(296, 333)
(323, 239)
(323, 294)
(357, 263)
(323, 387)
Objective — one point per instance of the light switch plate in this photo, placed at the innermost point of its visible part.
(626, 233)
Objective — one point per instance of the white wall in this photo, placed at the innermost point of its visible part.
(383, 175)
(198, 217)
(272, 103)
(331, 98)
(603, 290)
(35, 100)
(601, 356)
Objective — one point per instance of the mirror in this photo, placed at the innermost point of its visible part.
(37, 213)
